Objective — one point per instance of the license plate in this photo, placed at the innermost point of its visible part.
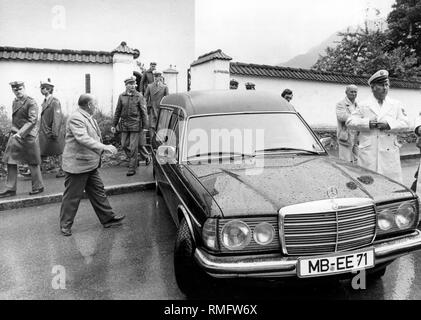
(333, 264)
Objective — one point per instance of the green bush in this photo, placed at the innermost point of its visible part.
(5, 126)
(105, 123)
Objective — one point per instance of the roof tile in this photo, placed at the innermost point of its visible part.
(64, 55)
(217, 54)
(244, 69)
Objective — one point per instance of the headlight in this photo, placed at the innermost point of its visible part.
(236, 235)
(405, 216)
(385, 220)
(263, 233)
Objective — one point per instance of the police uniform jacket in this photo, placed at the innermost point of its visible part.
(147, 78)
(378, 150)
(24, 123)
(51, 134)
(131, 112)
(83, 147)
(154, 94)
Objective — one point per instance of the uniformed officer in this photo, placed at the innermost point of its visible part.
(250, 86)
(147, 77)
(23, 146)
(233, 84)
(379, 119)
(415, 185)
(51, 133)
(132, 115)
(153, 95)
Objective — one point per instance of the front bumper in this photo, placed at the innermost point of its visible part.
(275, 265)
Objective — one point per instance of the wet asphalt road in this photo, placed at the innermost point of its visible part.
(134, 261)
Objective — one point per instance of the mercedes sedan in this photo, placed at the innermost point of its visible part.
(254, 194)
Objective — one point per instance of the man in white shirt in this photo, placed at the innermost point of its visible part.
(346, 137)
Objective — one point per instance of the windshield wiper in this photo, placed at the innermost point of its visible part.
(288, 149)
(221, 153)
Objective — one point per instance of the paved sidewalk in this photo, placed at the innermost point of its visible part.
(115, 181)
(409, 151)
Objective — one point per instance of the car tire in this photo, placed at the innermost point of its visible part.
(190, 279)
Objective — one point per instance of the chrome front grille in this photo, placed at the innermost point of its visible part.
(328, 232)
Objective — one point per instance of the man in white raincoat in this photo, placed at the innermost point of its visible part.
(416, 186)
(379, 119)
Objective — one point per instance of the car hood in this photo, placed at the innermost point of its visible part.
(263, 186)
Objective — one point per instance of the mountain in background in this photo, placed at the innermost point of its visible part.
(307, 60)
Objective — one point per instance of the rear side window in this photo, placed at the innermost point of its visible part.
(163, 122)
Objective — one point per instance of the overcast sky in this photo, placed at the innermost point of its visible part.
(274, 31)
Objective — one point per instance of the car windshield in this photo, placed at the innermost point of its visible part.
(248, 135)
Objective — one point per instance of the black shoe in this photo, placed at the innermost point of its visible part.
(148, 161)
(115, 221)
(26, 173)
(66, 232)
(131, 173)
(7, 193)
(36, 191)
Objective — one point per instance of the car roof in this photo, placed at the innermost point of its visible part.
(227, 101)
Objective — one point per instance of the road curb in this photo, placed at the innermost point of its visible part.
(10, 204)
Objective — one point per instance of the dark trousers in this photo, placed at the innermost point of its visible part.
(74, 185)
(12, 177)
(130, 144)
(152, 122)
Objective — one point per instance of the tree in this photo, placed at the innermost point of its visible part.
(5, 126)
(365, 51)
(404, 24)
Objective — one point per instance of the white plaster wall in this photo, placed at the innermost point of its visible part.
(163, 30)
(212, 75)
(171, 80)
(316, 101)
(202, 76)
(221, 74)
(69, 80)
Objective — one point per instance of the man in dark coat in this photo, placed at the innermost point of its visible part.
(23, 146)
(153, 95)
(132, 115)
(51, 133)
(147, 78)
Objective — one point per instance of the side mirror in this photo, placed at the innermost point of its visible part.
(326, 142)
(166, 155)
